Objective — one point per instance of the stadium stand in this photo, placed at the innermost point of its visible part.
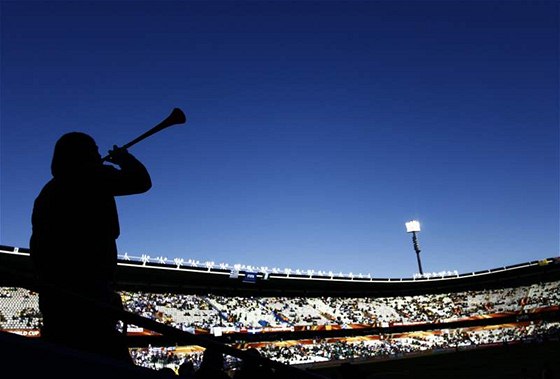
(333, 325)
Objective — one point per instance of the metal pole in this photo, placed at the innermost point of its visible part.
(417, 250)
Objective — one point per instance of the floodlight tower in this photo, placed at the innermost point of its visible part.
(413, 227)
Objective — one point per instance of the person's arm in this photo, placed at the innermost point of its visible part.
(131, 178)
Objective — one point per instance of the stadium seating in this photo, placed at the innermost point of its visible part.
(403, 324)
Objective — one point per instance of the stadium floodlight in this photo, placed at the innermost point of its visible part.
(414, 227)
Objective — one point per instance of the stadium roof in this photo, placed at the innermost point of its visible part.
(150, 276)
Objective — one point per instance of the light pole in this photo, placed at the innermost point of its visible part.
(413, 227)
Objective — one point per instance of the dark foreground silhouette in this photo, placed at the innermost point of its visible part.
(73, 244)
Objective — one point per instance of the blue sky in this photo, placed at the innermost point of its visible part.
(315, 129)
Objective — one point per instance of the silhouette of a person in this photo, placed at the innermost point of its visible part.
(186, 369)
(212, 365)
(253, 369)
(73, 243)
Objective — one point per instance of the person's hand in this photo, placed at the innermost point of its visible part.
(118, 155)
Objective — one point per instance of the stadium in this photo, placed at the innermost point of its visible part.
(502, 322)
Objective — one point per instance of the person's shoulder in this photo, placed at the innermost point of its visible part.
(49, 185)
(47, 190)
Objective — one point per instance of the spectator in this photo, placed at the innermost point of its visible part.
(212, 366)
(186, 369)
(75, 225)
(253, 369)
(167, 371)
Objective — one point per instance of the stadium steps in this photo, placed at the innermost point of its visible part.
(213, 305)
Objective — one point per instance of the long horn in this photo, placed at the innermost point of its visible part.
(176, 117)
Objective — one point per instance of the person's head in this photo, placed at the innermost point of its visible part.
(252, 362)
(186, 368)
(75, 154)
(168, 371)
(213, 358)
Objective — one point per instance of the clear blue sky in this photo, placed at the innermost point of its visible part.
(315, 129)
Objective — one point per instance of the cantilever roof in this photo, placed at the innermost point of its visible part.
(160, 276)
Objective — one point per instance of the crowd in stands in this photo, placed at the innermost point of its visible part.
(361, 348)
(396, 345)
(185, 312)
(189, 312)
(19, 311)
(19, 308)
